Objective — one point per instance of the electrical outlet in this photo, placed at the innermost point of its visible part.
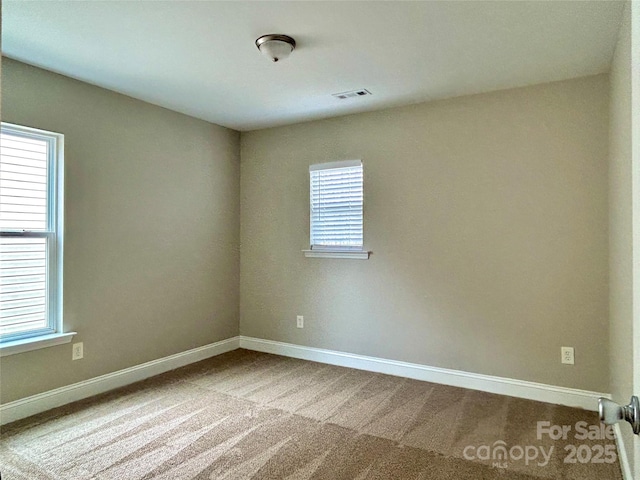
(567, 355)
(77, 352)
(300, 321)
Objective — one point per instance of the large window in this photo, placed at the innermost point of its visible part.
(30, 233)
(337, 208)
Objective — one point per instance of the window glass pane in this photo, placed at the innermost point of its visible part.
(337, 207)
(23, 284)
(23, 182)
(30, 248)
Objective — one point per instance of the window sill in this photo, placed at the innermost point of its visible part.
(34, 343)
(354, 254)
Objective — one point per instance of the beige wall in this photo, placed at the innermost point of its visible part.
(621, 224)
(486, 215)
(151, 263)
(487, 218)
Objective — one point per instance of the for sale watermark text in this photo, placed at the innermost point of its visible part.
(501, 454)
(580, 431)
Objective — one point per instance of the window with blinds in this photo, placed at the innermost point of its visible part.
(30, 226)
(336, 205)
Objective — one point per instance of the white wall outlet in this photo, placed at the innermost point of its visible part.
(77, 351)
(300, 321)
(567, 355)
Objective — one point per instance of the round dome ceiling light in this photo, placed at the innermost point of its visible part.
(276, 46)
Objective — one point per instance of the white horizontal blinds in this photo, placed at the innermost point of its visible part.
(23, 284)
(23, 182)
(336, 204)
(28, 233)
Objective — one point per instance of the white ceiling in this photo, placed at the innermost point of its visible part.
(199, 57)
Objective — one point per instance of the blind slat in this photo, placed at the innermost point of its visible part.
(23, 287)
(22, 295)
(37, 307)
(7, 167)
(23, 153)
(7, 270)
(12, 320)
(23, 326)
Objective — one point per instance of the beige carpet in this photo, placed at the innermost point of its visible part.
(248, 415)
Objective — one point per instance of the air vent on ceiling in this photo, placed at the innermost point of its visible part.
(355, 93)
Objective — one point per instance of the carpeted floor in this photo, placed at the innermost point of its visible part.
(249, 415)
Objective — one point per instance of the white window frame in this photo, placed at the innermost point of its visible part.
(52, 334)
(325, 251)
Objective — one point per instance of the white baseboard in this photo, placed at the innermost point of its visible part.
(41, 402)
(25, 407)
(623, 458)
(504, 386)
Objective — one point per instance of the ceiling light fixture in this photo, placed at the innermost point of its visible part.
(276, 46)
